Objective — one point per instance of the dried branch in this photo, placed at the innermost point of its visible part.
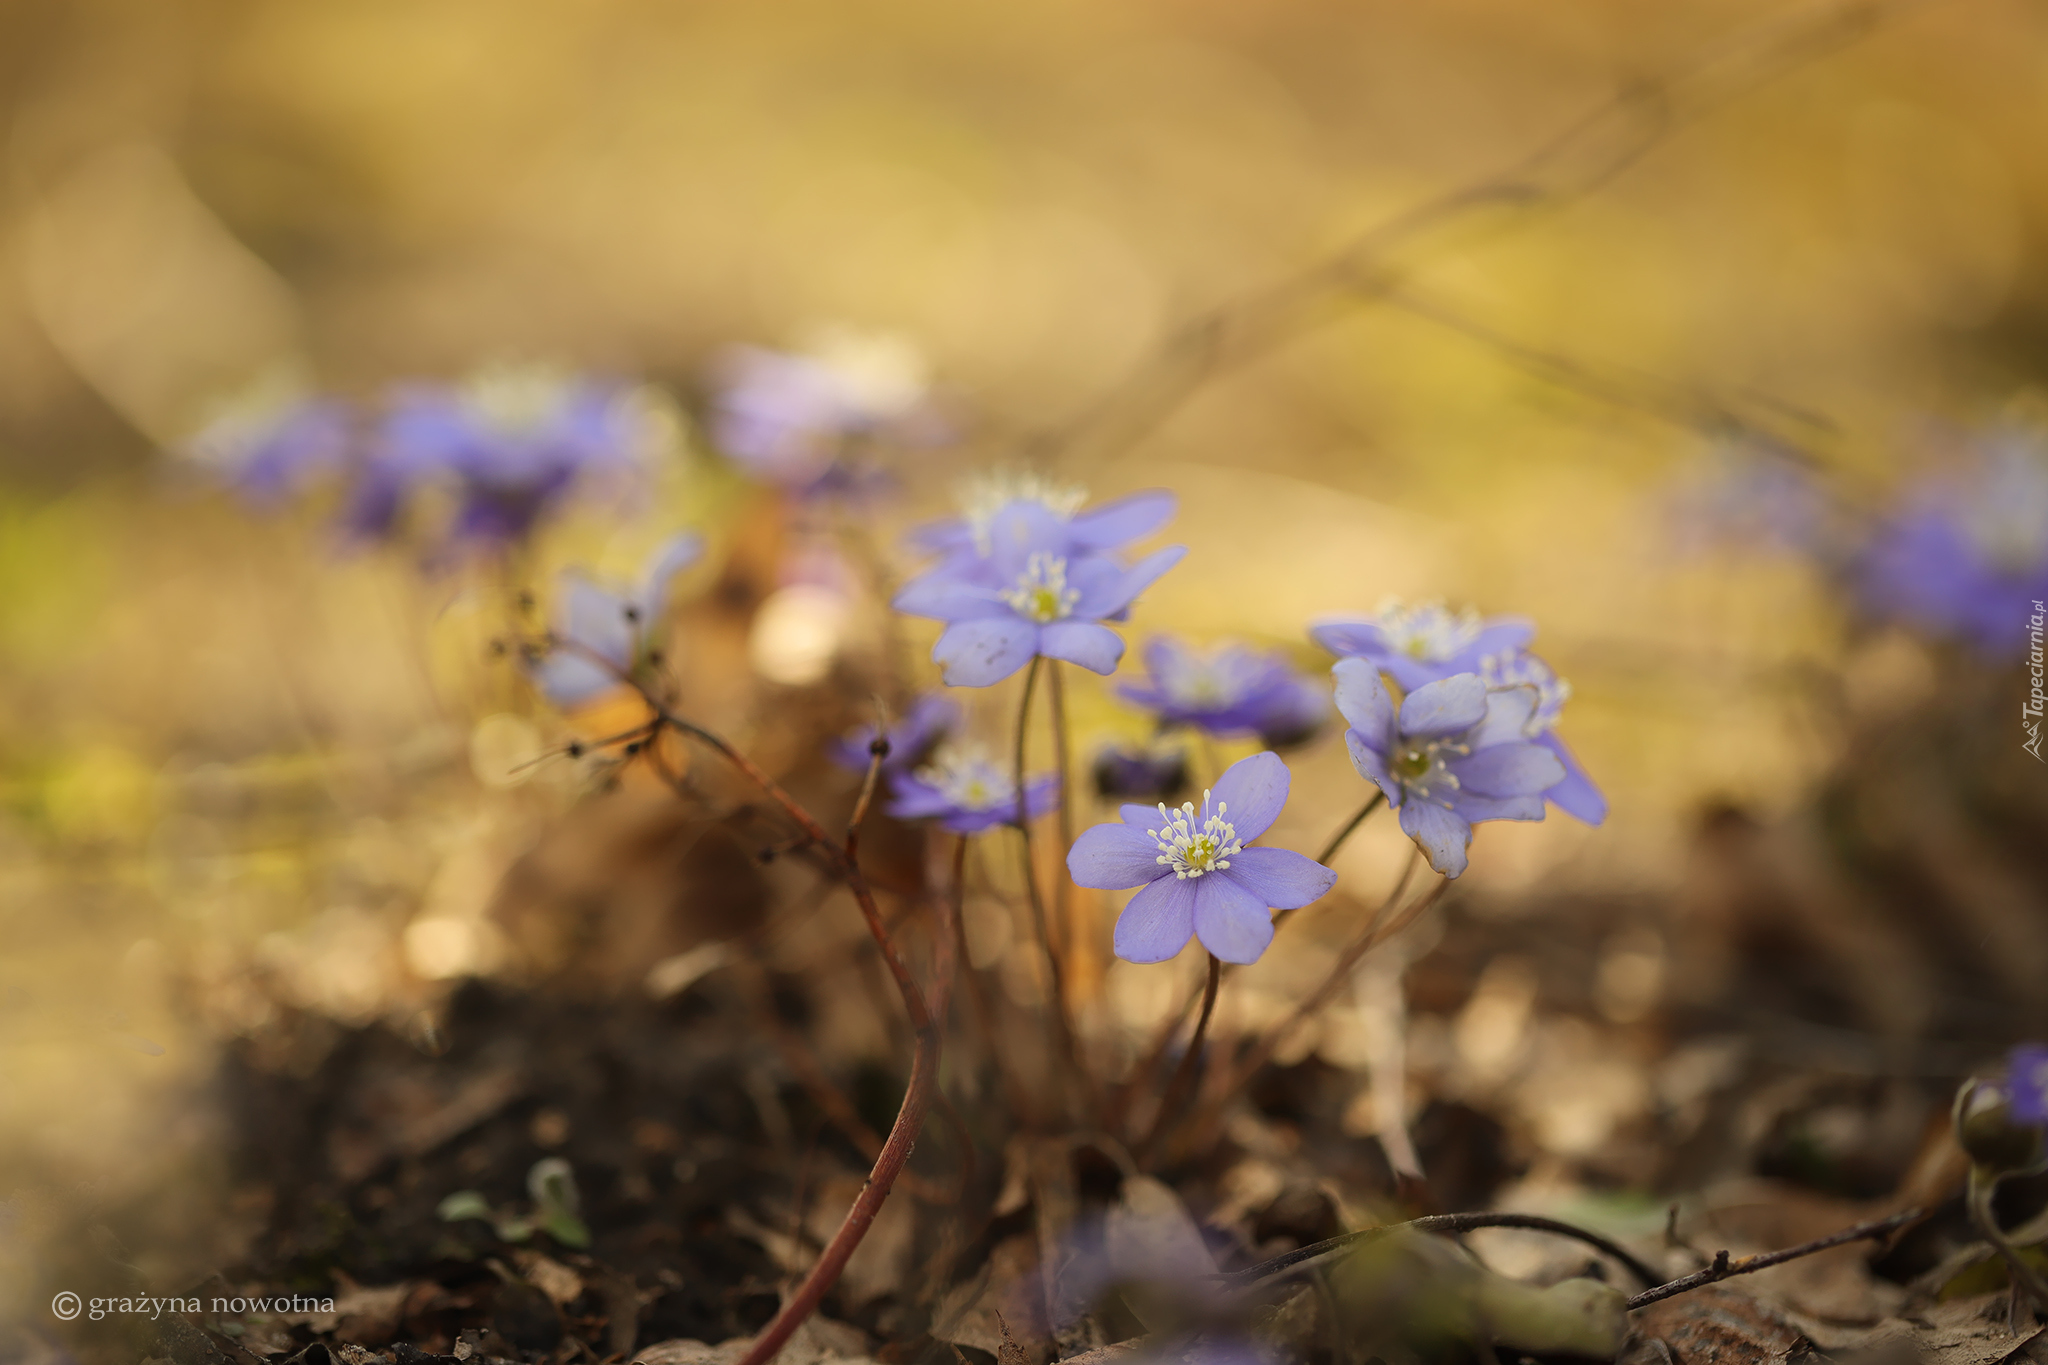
(1723, 1268)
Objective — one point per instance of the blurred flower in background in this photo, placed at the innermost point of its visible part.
(1745, 494)
(275, 440)
(509, 446)
(602, 634)
(799, 419)
(967, 791)
(1964, 553)
(2026, 1068)
(1139, 772)
(1228, 689)
(1422, 643)
(921, 728)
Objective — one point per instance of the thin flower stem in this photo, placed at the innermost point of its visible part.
(1062, 1016)
(1176, 1093)
(2023, 1275)
(1162, 1038)
(1056, 690)
(1723, 1268)
(1377, 931)
(1337, 839)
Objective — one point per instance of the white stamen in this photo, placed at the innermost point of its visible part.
(1041, 593)
(1191, 851)
(1428, 630)
(970, 778)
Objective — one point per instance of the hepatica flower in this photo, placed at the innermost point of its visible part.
(912, 737)
(1965, 554)
(1038, 588)
(1230, 689)
(1096, 530)
(789, 417)
(1453, 754)
(1576, 796)
(1419, 644)
(1195, 875)
(601, 634)
(967, 791)
(510, 444)
(1746, 494)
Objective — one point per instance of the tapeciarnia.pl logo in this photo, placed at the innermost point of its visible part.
(2037, 701)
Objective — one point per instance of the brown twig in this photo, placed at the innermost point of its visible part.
(1448, 1225)
(1337, 840)
(1723, 1268)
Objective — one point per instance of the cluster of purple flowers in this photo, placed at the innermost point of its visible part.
(493, 455)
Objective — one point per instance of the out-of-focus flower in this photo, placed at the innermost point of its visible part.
(601, 634)
(2026, 1072)
(1453, 754)
(1097, 530)
(1420, 644)
(790, 417)
(1230, 689)
(274, 440)
(1033, 592)
(967, 791)
(510, 444)
(1751, 496)
(1965, 553)
(913, 736)
(1195, 876)
(1576, 795)
(1140, 772)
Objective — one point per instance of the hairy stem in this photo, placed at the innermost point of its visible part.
(1176, 1093)
(1056, 979)
(1377, 931)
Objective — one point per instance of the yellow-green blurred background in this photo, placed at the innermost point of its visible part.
(231, 753)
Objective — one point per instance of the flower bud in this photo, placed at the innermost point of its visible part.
(1987, 1130)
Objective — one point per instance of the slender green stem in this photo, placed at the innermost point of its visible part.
(1175, 1096)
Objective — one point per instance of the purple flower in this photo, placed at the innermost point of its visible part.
(601, 634)
(1576, 796)
(1140, 771)
(274, 440)
(1965, 554)
(1454, 754)
(2026, 1069)
(967, 791)
(1098, 530)
(1230, 689)
(911, 739)
(510, 445)
(1194, 875)
(788, 417)
(1421, 644)
(1033, 591)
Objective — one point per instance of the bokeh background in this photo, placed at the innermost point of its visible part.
(241, 763)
